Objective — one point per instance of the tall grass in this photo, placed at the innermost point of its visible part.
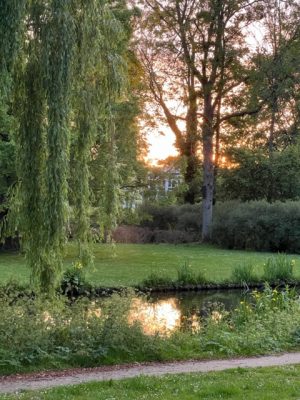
(244, 274)
(279, 269)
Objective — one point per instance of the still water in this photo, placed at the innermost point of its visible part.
(164, 313)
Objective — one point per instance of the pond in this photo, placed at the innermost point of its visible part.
(165, 312)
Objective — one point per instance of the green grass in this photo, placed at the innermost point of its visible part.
(130, 264)
(238, 384)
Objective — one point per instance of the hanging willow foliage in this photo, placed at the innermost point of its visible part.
(86, 98)
(31, 148)
(58, 52)
(43, 140)
(100, 79)
(114, 50)
(11, 25)
(73, 70)
(11, 18)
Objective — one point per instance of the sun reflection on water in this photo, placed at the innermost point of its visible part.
(162, 317)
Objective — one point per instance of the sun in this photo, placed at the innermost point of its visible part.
(161, 146)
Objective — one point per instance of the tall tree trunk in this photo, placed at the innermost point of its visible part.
(190, 149)
(217, 148)
(270, 194)
(208, 169)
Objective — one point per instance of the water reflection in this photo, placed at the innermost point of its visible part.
(163, 316)
(164, 313)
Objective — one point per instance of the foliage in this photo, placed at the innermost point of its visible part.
(258, 225)
(251, 325)
(69, 84)
(279, 269)
(244, 274)
(38, 333)
(185, 217)
(73, 281)
(7, 170)
(99, 82)
(256, 176)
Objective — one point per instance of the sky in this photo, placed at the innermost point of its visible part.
(160, 146)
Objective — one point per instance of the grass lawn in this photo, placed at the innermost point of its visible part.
(258, 384)
(129, 264)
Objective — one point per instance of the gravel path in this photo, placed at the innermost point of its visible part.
(16, 383)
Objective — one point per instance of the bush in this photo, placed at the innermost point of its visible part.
(73, 282)
(258, 225)
(186, 217)
(279, 269)
(244, 274)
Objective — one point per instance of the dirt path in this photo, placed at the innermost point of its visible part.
(18, 383)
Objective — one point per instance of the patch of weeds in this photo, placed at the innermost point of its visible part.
(73, 281)
(244, 274)
(186, 276)
(279, 269)
(157, 279)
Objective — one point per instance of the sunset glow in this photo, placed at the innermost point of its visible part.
(160, 146)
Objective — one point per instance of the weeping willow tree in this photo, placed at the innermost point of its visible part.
(43, 139)
(70, 78)
(103, 44)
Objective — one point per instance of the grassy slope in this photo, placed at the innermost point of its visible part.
(258, 384)
(130, 264)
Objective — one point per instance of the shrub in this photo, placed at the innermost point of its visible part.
(278, 269)
(186, 217)
(258, 225)
(267, 323)
(244, 274)
(73, 281)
